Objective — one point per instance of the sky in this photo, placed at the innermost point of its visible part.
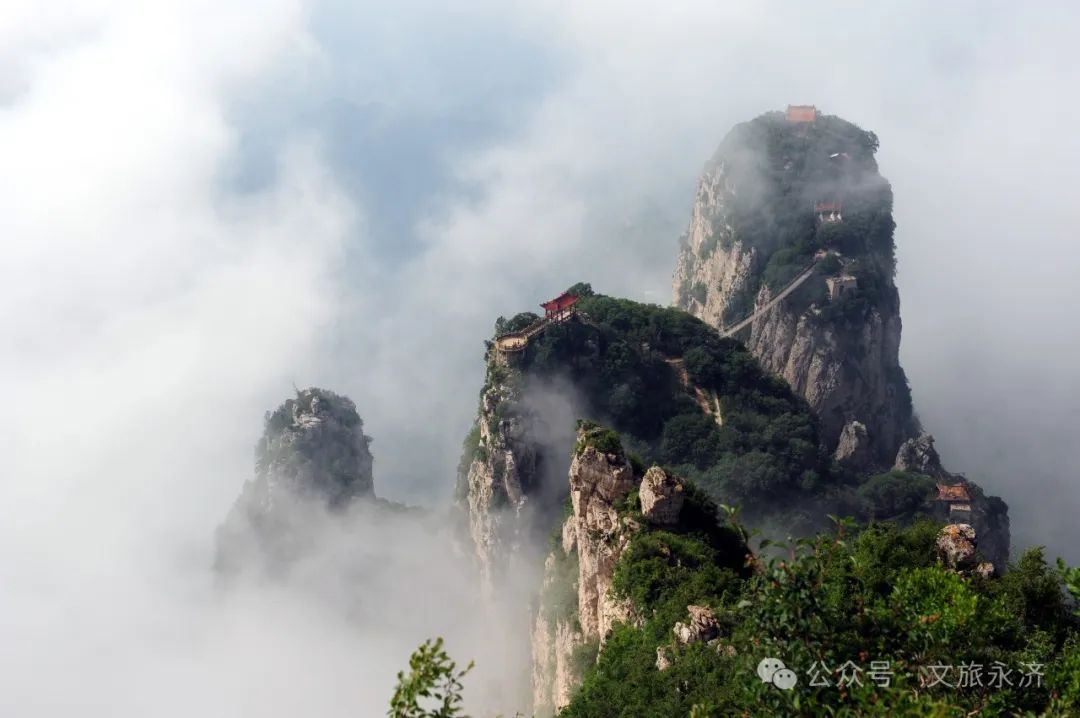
(206, 204)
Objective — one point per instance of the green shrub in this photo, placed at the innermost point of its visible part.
(432, 688)
(581, 289)
(875, 595)
(600, 438)
(559, 599)
(518, 322)
(895, 494)
(583, 657)
(830, 264)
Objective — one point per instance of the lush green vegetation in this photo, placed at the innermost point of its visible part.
(627, 359)
(471, 449)
(515, 323)
(601, 438)
(782, 170)
(432, 688)
(881, 596)
(559, 599)
(895, 494)
(287, 448)
(869, 620)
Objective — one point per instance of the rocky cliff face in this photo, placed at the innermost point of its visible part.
(663, 380)
(715, 268)
(578, 608)
(753, 228)
(598, 480)
(843, 386)
(989, 514)
(313, 455)
(556, 635)
(499, 470)
(779, 197)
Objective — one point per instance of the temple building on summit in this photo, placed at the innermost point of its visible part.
(801, 113)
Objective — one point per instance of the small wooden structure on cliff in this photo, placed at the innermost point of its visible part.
(556, 310)
(829, 212)
(560, 307)
(801, 113)
(954, 502)
(840, 286)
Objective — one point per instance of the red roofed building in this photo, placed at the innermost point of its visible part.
(560, 307)
(955, 502)
(801, 113)
(954, 492)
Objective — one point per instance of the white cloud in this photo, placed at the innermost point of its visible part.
(149, 320)
(151, 314)
(975, 121)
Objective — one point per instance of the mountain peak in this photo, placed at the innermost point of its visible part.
(790, 248)
(313, 456)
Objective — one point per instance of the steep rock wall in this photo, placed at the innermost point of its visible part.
(597, 481)
(989, 514)
(753, 228)
(756, 223)
(846, 373)
(556, 633)
(500, 467)
(578, 608)
(313, 456)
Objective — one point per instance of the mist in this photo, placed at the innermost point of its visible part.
(206, 204)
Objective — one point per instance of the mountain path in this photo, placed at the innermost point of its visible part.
(791, 287)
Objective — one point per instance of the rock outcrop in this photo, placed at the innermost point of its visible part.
(919, 455)
(768, 206)
(313, 445)
(853, 449)
(597, 481)
(578, 609)
(701, 627)
(847, 373)
(555, 635)
(663, 658)
(989, 514)
(715, 269)
(956, 547)
(496, 479)
(313, 456)
(661, 497)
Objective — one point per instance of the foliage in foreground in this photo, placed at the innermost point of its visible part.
(870, 612)
(432, 688)
(845, 604)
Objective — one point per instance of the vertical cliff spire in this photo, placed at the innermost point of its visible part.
(778, 198)
(313, 454)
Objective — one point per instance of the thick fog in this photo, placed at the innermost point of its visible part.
(206, 203)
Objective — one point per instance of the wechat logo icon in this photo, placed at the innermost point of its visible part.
(773, 670)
